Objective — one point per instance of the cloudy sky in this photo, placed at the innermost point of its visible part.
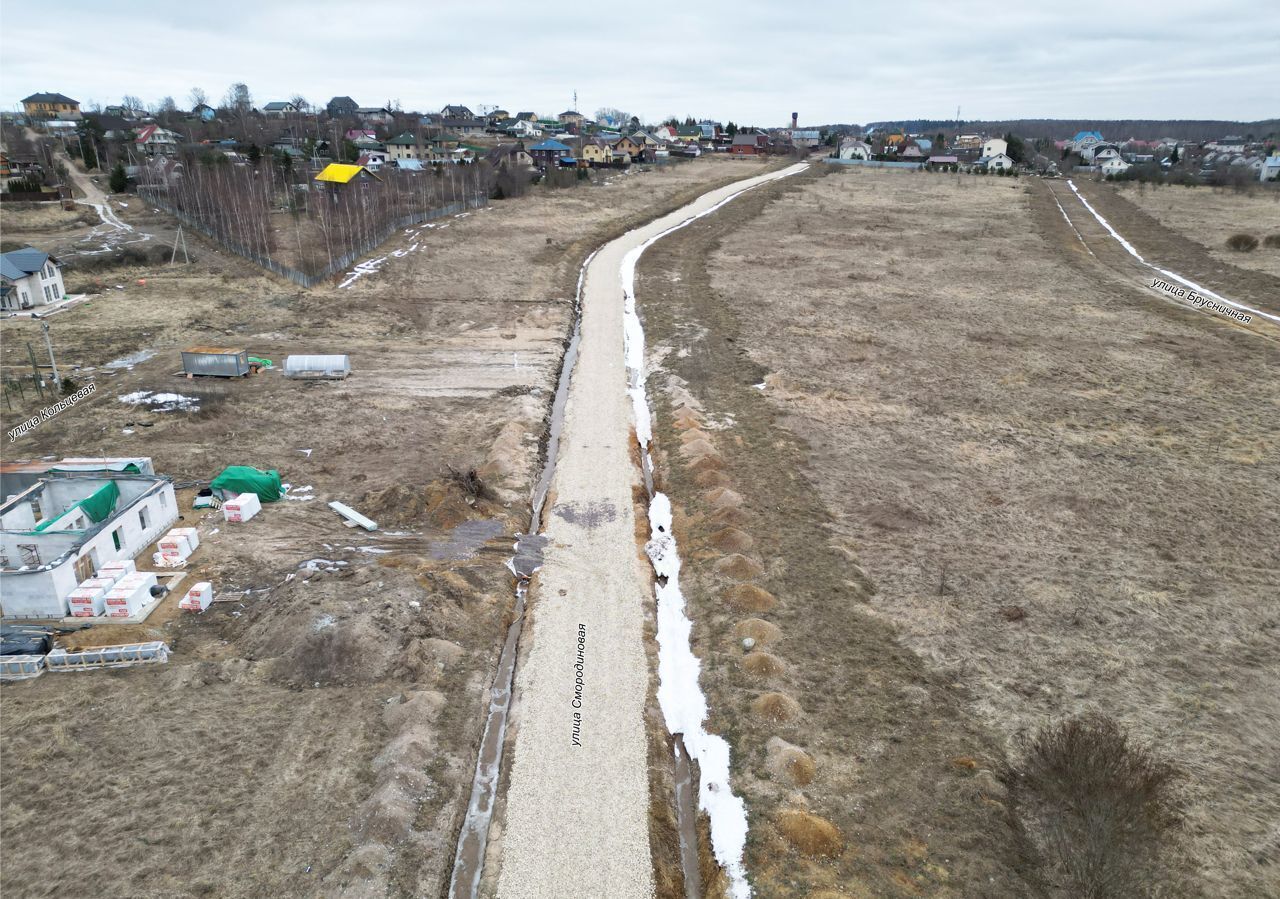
(750, 61)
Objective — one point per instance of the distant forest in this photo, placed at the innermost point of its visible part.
(1193, 130)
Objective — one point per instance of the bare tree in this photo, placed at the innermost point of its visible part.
(300, 102)
(197, 97)
(238, 99)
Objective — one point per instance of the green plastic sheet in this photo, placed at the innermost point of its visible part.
(97, 506)
(237, 479)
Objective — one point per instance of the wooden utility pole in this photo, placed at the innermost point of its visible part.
(48, 342)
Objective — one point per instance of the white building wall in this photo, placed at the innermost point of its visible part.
(995, 146)
(43, 594)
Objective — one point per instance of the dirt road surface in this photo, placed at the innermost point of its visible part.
(578, 801)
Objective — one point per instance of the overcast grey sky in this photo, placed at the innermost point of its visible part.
(746, 60)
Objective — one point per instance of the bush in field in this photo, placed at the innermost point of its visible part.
(1103, 806)
(1271, 241)
(1242, 243)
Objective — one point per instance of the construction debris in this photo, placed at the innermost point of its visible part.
(352, 516)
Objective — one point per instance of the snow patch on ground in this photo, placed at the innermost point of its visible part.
(162, 402)
(685, 707)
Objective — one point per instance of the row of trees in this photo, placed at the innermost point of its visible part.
(273, 211)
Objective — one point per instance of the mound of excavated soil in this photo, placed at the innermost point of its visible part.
(723, 498)
(749, 598)
(777, 707)
(711, 479)
(789, 764)
(697, 448)
(762, 664)
(732, 540)
(810, 835)
(439, 504)
(757, 629)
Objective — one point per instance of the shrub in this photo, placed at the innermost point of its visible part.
(1271, 241)
(1242, 243)
(1103, 805)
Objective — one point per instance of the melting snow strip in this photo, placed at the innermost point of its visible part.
(1203, 291)
(680, 696)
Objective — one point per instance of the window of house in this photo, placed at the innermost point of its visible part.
(47, 297)
(57, 294)
(144, 519)
(164, 500)
(117, 537)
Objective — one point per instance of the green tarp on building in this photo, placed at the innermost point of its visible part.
(97, 506)
(237, 479)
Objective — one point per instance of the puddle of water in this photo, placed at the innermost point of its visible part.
(465, 540)
(129, 361)
(588, 515)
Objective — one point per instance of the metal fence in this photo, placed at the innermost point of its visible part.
(342, 262)
(875, 163)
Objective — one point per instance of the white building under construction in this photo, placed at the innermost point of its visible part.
(61, 521)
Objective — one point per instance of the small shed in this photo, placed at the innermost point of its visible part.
(332, 367)
(213, 361)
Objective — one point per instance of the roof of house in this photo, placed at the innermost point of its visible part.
(17, 264)
(526, 115)
(369, 110)
(341, 173)
(277, 104)
(49, 98)
(946, 159)
(409, 165)
(341, 101)
(572, 112)
(457, 111)
(743, 138)
(1085, 135)
(550, 145)
(403, 140)
(150, 131)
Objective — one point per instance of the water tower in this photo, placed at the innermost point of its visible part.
(795, 120)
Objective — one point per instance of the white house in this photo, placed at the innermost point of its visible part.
(525, 128)
(279, 109)
(61, 529)
(995, 146)
(28, 278)
(156, 141)
(855, 149)
(999, 161)
(1270, 170)
(1104, 154)
(1114, 166)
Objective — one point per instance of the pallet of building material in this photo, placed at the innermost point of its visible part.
(124, 655)
(21, 667)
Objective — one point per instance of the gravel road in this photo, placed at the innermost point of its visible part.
(578, 800)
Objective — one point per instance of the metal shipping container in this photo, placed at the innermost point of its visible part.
(317, 366)
(220, 362)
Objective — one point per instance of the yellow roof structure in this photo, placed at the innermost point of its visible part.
(340, 173)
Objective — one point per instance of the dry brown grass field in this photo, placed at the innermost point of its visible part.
(1209, 215)
(960, 481)
(315, 735)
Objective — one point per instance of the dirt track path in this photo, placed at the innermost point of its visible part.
(577, 817)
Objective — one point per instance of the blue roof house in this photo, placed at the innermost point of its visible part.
(29, 278)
